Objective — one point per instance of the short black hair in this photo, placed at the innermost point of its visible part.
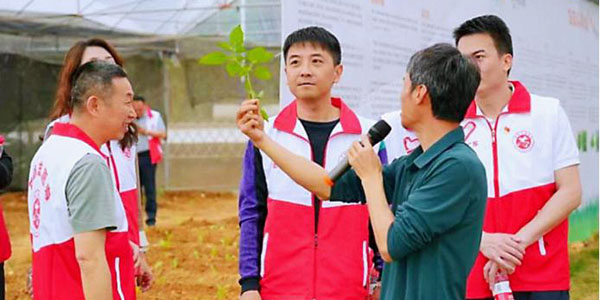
(490, 24)
(94, 78)
(315, 35)
(139, 98)
(450, 77)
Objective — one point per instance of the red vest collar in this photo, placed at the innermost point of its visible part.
(72, 131)
(287, 118)
(520, 102)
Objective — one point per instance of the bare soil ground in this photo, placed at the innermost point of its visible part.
(194, 249)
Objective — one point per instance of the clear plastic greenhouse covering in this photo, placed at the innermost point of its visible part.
(161, 42)
(37, 28)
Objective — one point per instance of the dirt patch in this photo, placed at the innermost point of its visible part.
(193, 248)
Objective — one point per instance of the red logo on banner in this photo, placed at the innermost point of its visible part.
(410, 144)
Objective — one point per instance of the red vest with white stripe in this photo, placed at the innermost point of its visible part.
(56, 273)
(520, 151)
(296, 263)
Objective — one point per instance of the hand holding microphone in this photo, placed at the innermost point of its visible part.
(376, 133)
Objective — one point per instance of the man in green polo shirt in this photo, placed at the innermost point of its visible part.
(430, 236)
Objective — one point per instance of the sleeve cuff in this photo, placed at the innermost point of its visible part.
(566, 163)
(81, 227)
(397, 243)
(250, 284)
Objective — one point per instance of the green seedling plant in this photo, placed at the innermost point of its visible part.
(221, 292)
(243, 63)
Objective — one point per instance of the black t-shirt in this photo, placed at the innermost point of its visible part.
(318, 135)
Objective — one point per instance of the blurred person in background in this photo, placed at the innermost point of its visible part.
(151, 130)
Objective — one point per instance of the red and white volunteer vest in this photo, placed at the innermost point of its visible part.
(520, 150)
(296, 263)
(125, 166)
(56, 273)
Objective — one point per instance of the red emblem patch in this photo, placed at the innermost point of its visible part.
(523, 141)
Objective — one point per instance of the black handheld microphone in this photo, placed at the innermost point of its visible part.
(376, 133)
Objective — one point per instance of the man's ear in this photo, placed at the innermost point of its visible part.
(339, 69)
(507, 62)
(421, 94)
(92, 105)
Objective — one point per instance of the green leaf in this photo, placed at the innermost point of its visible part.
(260, 95)
(236, 37)
(262, 73)
(226, 46)
(214, 58)
(259, 55)
(264, 114)
(234, 69)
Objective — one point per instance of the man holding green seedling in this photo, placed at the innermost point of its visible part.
(292, 245)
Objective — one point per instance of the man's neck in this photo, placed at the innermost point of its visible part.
(431, 131)
(492, 102)
(88, 128)
(319, 110)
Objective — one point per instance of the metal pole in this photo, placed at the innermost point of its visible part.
(243, 16)
(166, 94)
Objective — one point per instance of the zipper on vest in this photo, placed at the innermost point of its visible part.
(494, 131)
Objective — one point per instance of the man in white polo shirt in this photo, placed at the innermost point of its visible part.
(527, 146)
(78, 225)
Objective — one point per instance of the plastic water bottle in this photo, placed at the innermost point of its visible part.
(502, 289)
